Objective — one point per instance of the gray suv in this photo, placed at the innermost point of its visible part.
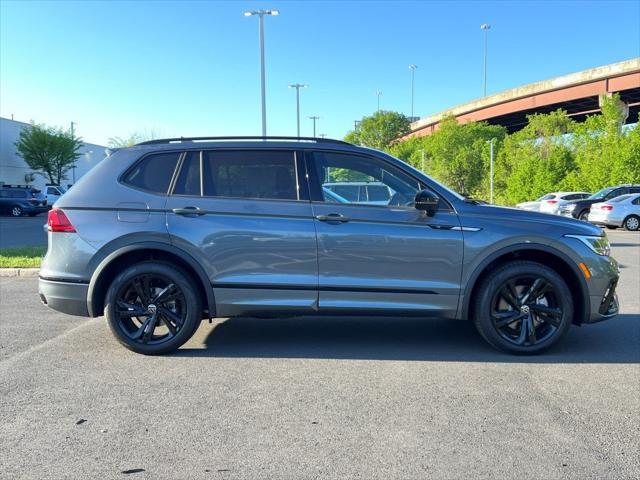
(160, 236)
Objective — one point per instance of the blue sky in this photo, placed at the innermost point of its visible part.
(192, 68)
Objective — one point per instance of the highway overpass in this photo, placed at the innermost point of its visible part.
(578, 93)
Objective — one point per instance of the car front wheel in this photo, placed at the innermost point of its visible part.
(153, 308)
(523, 307)
(584, 216)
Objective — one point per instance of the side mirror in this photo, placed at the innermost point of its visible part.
(427, 201)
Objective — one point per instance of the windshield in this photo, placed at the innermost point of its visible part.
(602, 193)
(548, 196)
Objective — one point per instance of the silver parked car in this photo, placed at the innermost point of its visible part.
(164, 234)
(622, 211)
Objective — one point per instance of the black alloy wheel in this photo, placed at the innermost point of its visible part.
(152, 308)
(524, 307)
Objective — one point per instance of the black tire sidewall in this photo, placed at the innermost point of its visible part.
(177, 276)
(482, 307)
(584, 216)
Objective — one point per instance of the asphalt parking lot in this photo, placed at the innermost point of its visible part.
(318, 398)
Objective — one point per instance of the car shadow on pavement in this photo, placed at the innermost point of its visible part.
(367, 338)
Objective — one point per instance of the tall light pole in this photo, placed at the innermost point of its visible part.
(73, 124)
(298, 86)
(378, 94)
(485, 27)
(261, 14)
(314, 118)
(412, 67)
(491, 142)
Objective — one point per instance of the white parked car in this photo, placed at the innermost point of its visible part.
(622, 211)
(561, 198)
(549, 203)
(53, 193)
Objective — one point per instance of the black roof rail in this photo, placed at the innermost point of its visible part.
(160, 141)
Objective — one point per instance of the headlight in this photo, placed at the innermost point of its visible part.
(570, 208)
(600, 245)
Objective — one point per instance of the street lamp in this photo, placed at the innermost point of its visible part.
(412, 67)
(491, 142)
(314, 118)
(378, 94)
(73, 124)
(485, 27)
(298, 86)
(261, 14)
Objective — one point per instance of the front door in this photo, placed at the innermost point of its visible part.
(246, 217)
(390, 257)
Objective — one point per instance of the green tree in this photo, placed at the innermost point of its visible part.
(379, 130)
(537, 159)
(131, 140)
(606, 152)
(455, 154)
(50, 151)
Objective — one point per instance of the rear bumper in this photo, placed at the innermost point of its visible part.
(65, 297)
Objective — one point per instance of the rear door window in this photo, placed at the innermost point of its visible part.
(188, 181)
(153, 173)
(255, 174)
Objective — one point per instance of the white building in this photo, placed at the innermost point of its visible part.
(15, 171)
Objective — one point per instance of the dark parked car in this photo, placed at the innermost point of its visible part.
(21, 200)
(580, 208)
(162, 235)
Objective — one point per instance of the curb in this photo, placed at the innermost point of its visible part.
(19, 272)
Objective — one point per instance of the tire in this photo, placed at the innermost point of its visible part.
(584, 216)
(153, 326)
(632, 223)
(549, 315)
(16, 211)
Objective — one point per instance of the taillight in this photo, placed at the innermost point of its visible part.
(552, 202)
(608, 208)
(58, 221)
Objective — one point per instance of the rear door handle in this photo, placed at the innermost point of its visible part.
(332, 218)
(188, 211)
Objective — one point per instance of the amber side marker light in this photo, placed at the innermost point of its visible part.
(585, 270)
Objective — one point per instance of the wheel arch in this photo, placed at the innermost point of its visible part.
(112, 262)
(548, 256)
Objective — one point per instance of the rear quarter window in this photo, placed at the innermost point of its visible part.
(153, 173)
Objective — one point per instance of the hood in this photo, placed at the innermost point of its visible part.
(564, 225)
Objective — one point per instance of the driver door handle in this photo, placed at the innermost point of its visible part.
(332, 218)
(188, 211)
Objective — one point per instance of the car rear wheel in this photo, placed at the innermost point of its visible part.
(523, 308)
(153, 308)
(584, 216)
(632, 223)
(16, 211)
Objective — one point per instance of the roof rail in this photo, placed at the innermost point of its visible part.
(264, 139)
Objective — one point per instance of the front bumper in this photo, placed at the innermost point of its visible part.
(65, 297)
(604, 306)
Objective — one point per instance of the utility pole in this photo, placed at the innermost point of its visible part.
(378, 94)
(298, 86)
(413, 67)
(261, 14)
(485, 27)
(314, 118)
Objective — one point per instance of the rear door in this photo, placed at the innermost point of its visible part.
(386, 258)
(245, 215)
